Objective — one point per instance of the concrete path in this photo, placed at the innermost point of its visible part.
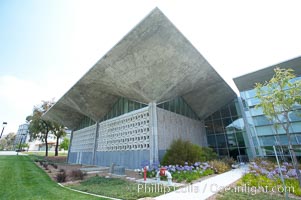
(206, 188)
(10, 153)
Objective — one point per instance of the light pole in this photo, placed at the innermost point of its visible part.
(3, 124)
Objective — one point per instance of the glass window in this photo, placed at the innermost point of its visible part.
(227, 121)
(218, 126)
(233, 109)
(240, 139)
(211, 141)
(225, 112)
(261, 120)
(221, 141)
(216, 115)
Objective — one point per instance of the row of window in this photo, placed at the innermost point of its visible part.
(179, 106)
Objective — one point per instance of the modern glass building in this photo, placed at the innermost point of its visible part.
(263, 132)
(22, 136)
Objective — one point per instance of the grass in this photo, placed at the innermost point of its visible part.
(122, 189)
(42, 153)
(20, 178)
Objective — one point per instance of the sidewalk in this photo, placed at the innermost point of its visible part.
(10, 153)
(206, 188)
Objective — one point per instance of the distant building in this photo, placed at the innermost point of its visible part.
(22, 136)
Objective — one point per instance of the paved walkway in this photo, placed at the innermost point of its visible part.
(10, 153)
(206, 188)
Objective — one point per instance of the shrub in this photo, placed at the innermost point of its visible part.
(61, 176)
(181, 151)
(219, 166)
(45, 165)
(77, 174)
(54, 166)
(207, 154)
(229, 161)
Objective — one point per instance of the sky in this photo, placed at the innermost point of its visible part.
(46, 46)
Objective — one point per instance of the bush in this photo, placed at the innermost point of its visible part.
(54, 166)
(207, 154)
(181, 151)
(77, 174)
(219, 166)
(45, 165)
(229, 161)
(61, 176)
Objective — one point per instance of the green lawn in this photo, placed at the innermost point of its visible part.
(20, 178)
(121, 189)
(42, 153)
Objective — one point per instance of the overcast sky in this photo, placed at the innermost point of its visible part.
(46, 46)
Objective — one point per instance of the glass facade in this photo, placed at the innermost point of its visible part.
(121, 107)
(226, 131)
(179, 106)
(264, 133)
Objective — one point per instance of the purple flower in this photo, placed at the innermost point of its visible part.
(186, 163)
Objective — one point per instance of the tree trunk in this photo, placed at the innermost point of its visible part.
(57, 146)
(295, 163)
(46, 143)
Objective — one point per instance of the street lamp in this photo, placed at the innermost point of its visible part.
(4, 124)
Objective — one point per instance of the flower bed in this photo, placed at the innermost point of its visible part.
(266, 174)
(187, 173)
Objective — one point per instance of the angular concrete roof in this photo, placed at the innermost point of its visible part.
(153, 63)
(247, 82)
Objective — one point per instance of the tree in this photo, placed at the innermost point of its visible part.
(65, 144)
(41, 128)
(7, 142)
(279, 97)
(59, 131)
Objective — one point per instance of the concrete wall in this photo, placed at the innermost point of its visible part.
(128, 159)
(84, 158)
(173, 126)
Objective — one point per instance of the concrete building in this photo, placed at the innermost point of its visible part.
(151, 88)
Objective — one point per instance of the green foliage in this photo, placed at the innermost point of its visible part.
(40, 128)
(190, 176)
(257, 181)
(219, 166)
(181, 151)
(7, 142)
(278, 98)
(65, 144)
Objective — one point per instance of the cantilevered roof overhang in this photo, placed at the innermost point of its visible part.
(153, 63)
(247, 82)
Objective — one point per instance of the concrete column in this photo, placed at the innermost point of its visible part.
(95, 144)
(70, 144)
(153, 119)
